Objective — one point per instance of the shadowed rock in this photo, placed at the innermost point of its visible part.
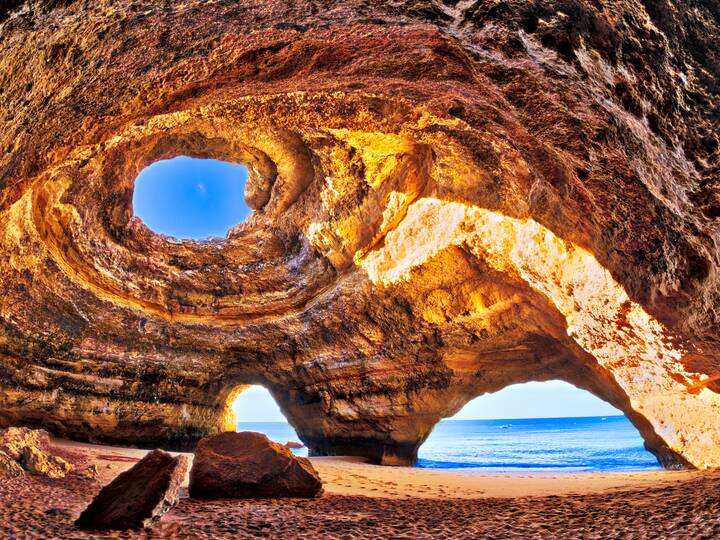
(9, 467)
(249, 465)
(139, 496)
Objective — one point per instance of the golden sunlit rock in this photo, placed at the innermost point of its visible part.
(448, 199)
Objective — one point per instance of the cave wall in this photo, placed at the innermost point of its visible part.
(449, 197)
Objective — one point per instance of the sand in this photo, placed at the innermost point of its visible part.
(368, 501)
(354, 476)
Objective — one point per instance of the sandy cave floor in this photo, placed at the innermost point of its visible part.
(368, 501)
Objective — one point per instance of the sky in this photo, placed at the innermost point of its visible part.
(200, 198)
(550, 399)
(191, 198)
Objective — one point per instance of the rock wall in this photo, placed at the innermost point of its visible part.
(450, 197)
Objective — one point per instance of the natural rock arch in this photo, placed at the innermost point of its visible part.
(447, 200)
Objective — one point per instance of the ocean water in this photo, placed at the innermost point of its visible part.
(542, 444)
(571, 444)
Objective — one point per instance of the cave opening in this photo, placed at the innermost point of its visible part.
(255, 409)
(542, 426)
(190, 198)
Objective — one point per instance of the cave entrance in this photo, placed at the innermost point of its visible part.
(256, 410)
(537, 426)
(191, 199)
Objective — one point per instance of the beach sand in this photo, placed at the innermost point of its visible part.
(369, 501)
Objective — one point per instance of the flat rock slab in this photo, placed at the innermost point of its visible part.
(139, 496)
(249, 465)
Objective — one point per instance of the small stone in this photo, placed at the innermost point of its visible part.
(249, 465)
(57, 512)
(37, 461)
(9, 467)
(89, 472)
(138, 497)
(294, 445)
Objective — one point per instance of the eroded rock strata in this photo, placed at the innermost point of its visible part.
(450, 197)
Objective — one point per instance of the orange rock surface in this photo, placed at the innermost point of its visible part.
(449, 197)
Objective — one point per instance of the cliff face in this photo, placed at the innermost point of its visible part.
(450, 197)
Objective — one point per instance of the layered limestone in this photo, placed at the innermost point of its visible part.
(449, 197)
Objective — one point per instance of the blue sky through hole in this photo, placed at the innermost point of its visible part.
(191, 198)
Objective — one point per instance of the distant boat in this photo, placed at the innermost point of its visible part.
(603, 418)
(506, 426)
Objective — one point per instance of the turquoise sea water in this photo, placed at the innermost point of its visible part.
(543, 444)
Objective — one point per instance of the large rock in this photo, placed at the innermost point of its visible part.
(450, 197)
(139, 496)
(28, 449)
(249, 465)
(14, 440)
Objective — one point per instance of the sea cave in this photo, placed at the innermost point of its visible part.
(430, 201)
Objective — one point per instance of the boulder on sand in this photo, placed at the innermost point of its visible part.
(139, 496)
(249, 465)
(28, 449)
(14, 439)
(38, 461)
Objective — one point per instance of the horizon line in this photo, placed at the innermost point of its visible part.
(466, 419)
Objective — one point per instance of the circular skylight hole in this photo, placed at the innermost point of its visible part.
(191, 199)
